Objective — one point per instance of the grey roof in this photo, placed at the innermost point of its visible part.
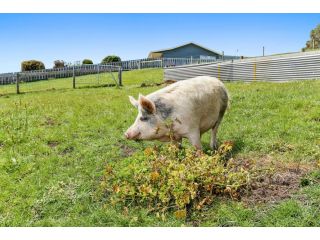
(167, 49)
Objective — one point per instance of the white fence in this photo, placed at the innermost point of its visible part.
(46, 74)
(29, 76)
(159, 63)
(278, 68)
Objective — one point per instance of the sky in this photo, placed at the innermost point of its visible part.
(74, 37)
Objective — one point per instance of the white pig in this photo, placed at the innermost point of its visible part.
(193, 106)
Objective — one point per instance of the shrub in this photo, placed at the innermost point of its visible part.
(68, 64)
(58, 64)
(168, 178)
(110, 59)
(87, 61)
(32, 65)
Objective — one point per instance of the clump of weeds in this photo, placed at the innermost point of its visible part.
(167, 178)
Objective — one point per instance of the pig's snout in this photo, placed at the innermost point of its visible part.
(132, 134)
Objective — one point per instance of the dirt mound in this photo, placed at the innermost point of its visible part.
(280, 184)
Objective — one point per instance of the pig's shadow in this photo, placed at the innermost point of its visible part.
(237, 147)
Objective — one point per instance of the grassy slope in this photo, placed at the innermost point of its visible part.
(54, 145)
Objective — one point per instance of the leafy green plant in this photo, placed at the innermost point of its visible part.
(32, 65)
(59, 64)
(87, 61)
(168, 178)
(111, 59)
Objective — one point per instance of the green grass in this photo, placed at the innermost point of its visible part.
(54, 146)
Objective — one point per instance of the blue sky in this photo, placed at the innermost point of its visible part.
(72, 37)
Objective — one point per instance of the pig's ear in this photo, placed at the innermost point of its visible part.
(147, 104)
(133, 101)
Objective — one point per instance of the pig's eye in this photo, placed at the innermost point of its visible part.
(144, 119)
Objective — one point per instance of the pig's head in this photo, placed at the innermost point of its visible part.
(150, 122)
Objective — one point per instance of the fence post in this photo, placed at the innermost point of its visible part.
(98, 71)
(17, 84)
(255, 72)
(120, 76)
(73, 78)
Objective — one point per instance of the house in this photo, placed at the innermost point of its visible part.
(186, 51)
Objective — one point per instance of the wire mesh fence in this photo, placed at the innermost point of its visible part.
(98, 75)
(62, 78)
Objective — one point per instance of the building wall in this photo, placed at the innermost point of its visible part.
(188, 51)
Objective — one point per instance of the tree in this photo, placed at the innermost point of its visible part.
(111, 59)
(314, 41)
(31, 65)
(58, 64)
(87, 61)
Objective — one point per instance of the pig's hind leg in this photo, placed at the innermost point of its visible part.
(213, 142)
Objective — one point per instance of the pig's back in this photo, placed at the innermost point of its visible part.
(196, 101)
(196, 90)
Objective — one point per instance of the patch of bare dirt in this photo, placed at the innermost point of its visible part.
(53, 144)
(150, 84)
(49, 122)
(67, 150)
(280, 183)
(168, 82)
(126, 150)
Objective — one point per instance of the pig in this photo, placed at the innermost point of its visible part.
(192, 106)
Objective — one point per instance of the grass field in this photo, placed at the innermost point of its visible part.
(55, 142)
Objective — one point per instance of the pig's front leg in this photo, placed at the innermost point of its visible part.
(195, 139)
